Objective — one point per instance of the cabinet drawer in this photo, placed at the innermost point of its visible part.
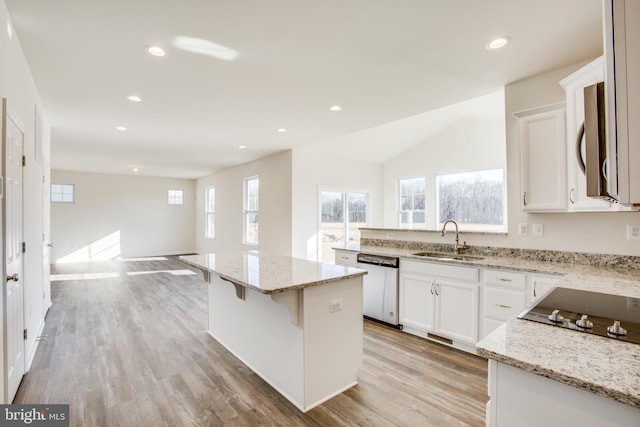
(510, 279)
(432, 269)
(503, 304)
(350, 259)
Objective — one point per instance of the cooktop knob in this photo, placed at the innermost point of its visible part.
(616, 329)
(584, 322)
(555, 317)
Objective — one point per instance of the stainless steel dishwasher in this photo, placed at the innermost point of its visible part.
(380, 288)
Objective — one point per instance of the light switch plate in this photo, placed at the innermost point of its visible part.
(523, 228)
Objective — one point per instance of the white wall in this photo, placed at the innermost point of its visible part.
(313, 169)
(17, 85)
(274, 206)
(121, 216)
(464, 146)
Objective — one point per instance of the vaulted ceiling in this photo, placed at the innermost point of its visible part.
(238, 71)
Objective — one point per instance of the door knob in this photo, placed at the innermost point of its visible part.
(13, 277)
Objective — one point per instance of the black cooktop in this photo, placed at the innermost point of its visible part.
(567, 308)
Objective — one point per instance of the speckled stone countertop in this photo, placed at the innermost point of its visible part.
(601, 365)
(269, 273)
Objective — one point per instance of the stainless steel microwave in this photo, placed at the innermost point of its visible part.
(614, 110)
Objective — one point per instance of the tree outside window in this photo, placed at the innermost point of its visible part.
(475, 200)
(341, 216)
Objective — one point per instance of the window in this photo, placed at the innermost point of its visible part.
(341, 216)
(251, 193)
(176, 197)
(210, 213)
(473, 199)
(411, 203)
(62, 193)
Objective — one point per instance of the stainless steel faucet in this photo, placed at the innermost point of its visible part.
(460, 248)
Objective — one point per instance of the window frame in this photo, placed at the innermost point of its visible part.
(209, 211)
(247, 211)
(173, 199)
(62, 193)
(411, 225)
(489, 228)
(344, 192)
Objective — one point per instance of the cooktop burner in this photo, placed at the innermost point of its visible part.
(611, 316)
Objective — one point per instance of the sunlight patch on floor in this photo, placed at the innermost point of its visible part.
(83, 276)
(173, 272)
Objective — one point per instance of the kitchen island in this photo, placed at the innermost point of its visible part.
(296, 323)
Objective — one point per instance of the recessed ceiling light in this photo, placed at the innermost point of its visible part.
(282, 130)
(335, 108)
(498, 42)
(136, 169)
(134, 98)
(9, 30)
(242, 147)
(155, 51)
(121, 128)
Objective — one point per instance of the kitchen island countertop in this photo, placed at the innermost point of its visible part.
(270, 273)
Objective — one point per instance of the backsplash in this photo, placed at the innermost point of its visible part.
(596, 260)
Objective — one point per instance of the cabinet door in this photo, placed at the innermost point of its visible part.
(540, 285)
(416, 302)
(457, 310)
(543, 159)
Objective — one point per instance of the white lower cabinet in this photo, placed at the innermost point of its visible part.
(440, 302)
(524, 399)
(346, 258)
(539, 285)
(416, 302)
(506, 294)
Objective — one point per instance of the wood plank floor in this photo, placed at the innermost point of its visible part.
(126, 345)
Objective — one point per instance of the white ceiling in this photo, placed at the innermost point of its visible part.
(381, 60)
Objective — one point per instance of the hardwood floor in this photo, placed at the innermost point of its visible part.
(126, 345)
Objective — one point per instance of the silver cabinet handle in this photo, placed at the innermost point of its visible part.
(503, 306)
(505, 280)
(524, 198)
(13, 278)
(437, 288)
(535, 284)
(432, 286)
(571, 192)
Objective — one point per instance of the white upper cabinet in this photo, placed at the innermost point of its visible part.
(573, 86)
(543, 159)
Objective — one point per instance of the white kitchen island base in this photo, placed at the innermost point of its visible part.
(524, 399)
(306, 343)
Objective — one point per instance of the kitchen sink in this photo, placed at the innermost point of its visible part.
(445, 256)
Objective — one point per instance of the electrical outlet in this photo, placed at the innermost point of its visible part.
(537, 230)
(633, 232)
(335, 305)
(391, 236)
(523, 228)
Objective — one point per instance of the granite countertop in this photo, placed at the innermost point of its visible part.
(270, 273)
(597, 364)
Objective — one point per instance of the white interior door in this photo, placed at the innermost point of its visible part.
(46, 237)
(13, 137)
